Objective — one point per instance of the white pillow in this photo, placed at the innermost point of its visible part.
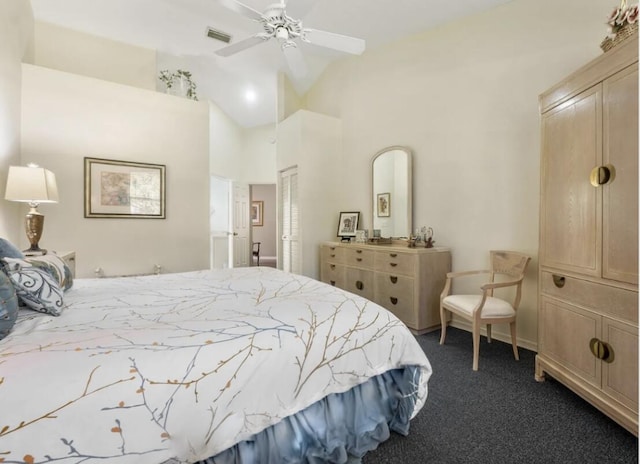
(36, 288)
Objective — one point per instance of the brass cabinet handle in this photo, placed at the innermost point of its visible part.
(393, 279)
(333, 266)
(393, 255)
(601, 350)
(332, 282)
(358, 251)
(601, 175)
(358, 259)
(393, 299)
(333, 255)
(393, 264)
(558, 281)
(359, 285)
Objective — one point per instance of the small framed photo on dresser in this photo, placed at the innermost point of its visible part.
(348, 224)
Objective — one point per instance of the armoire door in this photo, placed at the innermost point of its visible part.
(620, 194)
(570, 221)
(289, 221)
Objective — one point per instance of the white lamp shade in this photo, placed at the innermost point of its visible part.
(31, 184)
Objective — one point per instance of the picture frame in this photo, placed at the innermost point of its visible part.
(124, 189)
(384, 204)
(257, 208)
(348, 224)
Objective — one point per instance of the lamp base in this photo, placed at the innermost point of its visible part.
(33, 224)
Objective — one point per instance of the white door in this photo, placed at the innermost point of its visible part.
(241, 225)
(220, 222)
(289, 224)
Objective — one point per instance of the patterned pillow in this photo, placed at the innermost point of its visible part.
(9, 250)
(56, 267)
(8, 305)
(36, 288)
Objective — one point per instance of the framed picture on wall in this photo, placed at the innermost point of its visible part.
(123, 189)
(348, 224)
(256, 213)
(384, 204)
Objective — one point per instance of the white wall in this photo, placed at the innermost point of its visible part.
(16, 26)
(464, 99)
(66, 117)
(88, 55)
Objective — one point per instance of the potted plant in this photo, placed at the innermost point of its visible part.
(179, 83)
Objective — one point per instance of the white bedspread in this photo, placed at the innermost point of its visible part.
(183, 366)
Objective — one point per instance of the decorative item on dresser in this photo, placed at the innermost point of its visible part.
(406, 281)
(588, 256)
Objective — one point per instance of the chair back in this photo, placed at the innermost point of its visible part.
(509, 263)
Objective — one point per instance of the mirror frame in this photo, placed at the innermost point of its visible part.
(409, 211)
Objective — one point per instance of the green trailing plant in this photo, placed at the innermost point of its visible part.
(170, 79)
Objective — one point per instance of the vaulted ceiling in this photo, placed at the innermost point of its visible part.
(244, 84)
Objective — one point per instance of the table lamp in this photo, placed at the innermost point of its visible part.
(33, 185)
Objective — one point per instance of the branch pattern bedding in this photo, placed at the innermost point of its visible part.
(180, 367)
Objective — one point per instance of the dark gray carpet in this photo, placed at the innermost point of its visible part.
(500, 414)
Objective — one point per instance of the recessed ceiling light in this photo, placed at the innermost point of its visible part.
(250, 95)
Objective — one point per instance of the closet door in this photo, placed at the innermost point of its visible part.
(289, 221)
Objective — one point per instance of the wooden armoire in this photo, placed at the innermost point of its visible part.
(588, 255)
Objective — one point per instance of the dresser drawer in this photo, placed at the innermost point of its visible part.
(358, 257)
(359, 281)
(606, 300)
(396, 293)
(332, 273)
(396, 263)
(334, 254)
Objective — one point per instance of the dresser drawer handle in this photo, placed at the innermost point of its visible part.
(393, 255)
(333, 255)
(393, 264)
(332, 282)
(359, 285)
(558, 281)
(358, 251)
(393, 299)
(393, 279)
(358, 259)
(333, 266)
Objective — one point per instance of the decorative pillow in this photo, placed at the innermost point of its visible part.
(8, 305)
(9, 250)
(56, 267)
(36, 288)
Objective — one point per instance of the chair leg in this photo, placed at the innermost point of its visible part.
(443, 325)
(488, 333)
(513, 340)
(476, 345)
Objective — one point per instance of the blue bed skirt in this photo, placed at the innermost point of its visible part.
(340, 428)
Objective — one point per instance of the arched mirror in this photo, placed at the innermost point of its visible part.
(391, 182)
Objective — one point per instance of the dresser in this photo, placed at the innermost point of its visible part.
(588, 255)
(406, 281)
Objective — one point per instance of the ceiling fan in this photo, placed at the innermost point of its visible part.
(278, 25)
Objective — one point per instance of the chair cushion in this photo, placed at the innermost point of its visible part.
(465, 304)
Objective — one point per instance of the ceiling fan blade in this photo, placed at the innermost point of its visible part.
(338, 42)
(241, 45)
(295, 60)
(242, 9)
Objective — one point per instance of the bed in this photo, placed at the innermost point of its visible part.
(215, 366)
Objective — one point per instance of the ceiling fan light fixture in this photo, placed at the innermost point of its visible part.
(218, 35)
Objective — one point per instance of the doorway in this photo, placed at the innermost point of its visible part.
(264, 224)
